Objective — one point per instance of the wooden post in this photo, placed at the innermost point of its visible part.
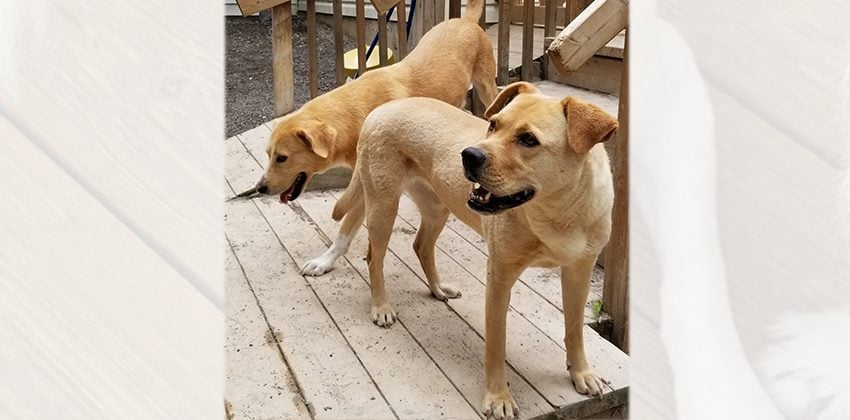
(615, 293)
(382, 39)
(439, 11)
(339, 47)
(550, 15)
(284, 83)
(361, 37)
(454, 9)
(504, 43)
(527, 39)
(312, 49)
(401, 26)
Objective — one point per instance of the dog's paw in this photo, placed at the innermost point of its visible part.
(383, 315)
(317, 266)
(500, 406)
(588, 383)
(446, 292)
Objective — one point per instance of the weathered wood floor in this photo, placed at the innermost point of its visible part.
(304, 347)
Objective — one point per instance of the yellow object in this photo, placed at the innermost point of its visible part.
(374, 61)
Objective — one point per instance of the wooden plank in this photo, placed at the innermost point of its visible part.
(531, 343)
(382, 39)
(312, 49)
(401, 29)
(339, 46)
(454, 9)
(413, 384)
(448, 338)
(332, 377)
(590, 31)
(615, 296)
(439, 11)
(361, 37)
(528, 40)
(284, 82)
(249, 7)
(258, 383)
(503, 44)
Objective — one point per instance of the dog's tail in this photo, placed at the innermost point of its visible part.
(353, 194)
(474, 9)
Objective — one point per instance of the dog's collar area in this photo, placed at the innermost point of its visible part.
(295, 189)
(484, 201)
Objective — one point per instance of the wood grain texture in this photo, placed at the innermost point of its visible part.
(600, 22)
(312, 49)
(284, 81)
(528, 40)
(249, 7)
(339, 46)
(615, 296)
(110, 236)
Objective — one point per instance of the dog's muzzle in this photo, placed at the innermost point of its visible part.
(473, 160)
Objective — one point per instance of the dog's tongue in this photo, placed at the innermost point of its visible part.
(284, 196)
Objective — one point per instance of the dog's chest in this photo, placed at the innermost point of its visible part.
(559, 248)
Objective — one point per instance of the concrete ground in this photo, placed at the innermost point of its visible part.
(248, 66)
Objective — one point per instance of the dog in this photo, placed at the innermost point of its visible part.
(542, 196)
(323, 133)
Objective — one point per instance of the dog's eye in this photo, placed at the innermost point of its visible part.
(528, 140)
(492, 127)
(280, 159)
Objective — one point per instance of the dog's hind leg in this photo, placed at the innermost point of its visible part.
(351, 223)
(433, 220)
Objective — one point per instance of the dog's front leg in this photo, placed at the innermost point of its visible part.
(350, 225)
(575, 285)
(498, 401)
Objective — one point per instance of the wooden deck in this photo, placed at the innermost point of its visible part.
(304, 347)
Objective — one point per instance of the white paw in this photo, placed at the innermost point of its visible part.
(383, 315)
(500, 406)
(318, 266)
(587, 383)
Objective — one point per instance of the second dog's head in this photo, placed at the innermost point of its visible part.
(298, 148)
(535, 145)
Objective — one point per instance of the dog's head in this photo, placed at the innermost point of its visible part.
(535, 145)
(298, 149)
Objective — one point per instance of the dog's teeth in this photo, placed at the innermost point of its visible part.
(476, 185)
(487, 196)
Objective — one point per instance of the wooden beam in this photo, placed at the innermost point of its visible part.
(284, 83)
(503, 43)
(600, 22)
(528, 40)
(361, 37)
(382, 39)
(249, 7)
(615, 293)
(312, 49)
(339, 46)
(401, 28)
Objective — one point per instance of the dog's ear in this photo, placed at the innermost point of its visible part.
(587, 124)
(318, 137)
(507, 95)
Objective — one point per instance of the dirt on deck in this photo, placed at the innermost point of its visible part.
(249, 98)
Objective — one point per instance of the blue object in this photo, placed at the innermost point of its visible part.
(389, 14)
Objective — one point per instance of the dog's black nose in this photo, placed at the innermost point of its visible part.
(473, 159)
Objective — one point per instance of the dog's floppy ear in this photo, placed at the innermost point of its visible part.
(507, 95)
(587, 124)
(318, 137)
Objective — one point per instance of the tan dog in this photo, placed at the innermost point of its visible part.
(324, 132)
(542, 197)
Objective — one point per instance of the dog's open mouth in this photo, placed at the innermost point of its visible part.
(295, 189)
(483, 201)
